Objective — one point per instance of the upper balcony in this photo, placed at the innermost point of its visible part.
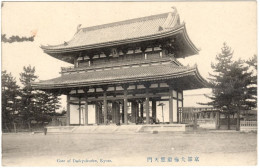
(115, 63)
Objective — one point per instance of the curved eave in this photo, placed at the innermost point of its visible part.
(202, 81)
(191, 44)
(179, 29)
(190, 72)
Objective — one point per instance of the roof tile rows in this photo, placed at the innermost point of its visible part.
(123, 30)
(155, 72)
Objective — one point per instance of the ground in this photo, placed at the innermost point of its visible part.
(192, 148)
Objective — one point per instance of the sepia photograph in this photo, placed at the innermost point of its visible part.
(129, 83)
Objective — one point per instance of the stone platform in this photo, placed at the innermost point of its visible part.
(120, 129)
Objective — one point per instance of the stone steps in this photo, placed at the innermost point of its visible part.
(60, 129)
(118, 129)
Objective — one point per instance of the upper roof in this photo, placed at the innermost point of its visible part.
(123, 32)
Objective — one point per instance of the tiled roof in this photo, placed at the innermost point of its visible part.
(122, 75)
(121, 31)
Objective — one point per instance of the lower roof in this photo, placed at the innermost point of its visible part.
(126, 75)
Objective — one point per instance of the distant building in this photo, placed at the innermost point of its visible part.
(125, 72)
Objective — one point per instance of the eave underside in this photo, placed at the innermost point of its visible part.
(184, 80)
(181, 42)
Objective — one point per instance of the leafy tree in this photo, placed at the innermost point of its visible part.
(10, 99)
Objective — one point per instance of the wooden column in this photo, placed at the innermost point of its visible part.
(117, 113)
(124, 51)
(142, 110)
(137, 110)
(79, 110)
(143, 48)
(147, 85)
(154, 109)
(125, 104)
(123, 113)
(86, 105)
(182, 99)
(114, 111)
(134, 110)
(105, 105)
(97, 113)
(86, 112)
(177, 106)
(90, 60)
(107, 52)
(68, 110)
(75, 62)
(170, 104)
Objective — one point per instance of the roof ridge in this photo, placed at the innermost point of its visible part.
(150, 17)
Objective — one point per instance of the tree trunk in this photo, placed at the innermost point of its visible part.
(228, 121)
(195, 121)
(217, 120)
(238, 120)
(29, 126)
(15, 127)
(7, 127)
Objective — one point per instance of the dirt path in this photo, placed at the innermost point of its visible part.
(130, 149)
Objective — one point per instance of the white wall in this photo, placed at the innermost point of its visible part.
(91, 114)
(165, 111)
(74, 114)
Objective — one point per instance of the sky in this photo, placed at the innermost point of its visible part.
(209, 25)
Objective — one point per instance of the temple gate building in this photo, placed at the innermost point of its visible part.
(125, 72)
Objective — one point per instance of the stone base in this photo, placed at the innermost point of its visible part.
(248, 129)
(166, 128)
(60, 129)
(120, 129)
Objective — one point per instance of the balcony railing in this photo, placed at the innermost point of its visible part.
(115, 63)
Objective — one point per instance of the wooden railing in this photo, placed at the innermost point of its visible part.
(65, 69)
(115, 62)
(187, 114)
(248, 125)
(208, 117)
(58, 121)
